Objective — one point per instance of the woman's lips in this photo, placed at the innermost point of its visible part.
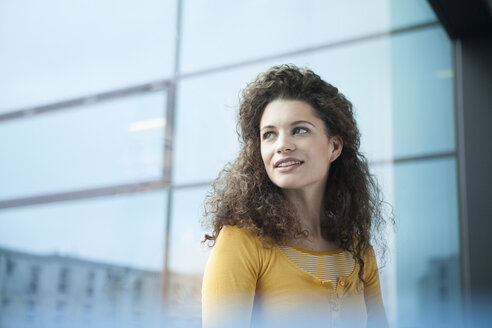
(287, 161)
(289, 166)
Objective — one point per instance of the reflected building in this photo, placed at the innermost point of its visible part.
(60, 291)
(439, 293)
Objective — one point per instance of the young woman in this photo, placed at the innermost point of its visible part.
(293, 215)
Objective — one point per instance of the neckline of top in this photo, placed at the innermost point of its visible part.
(317, 253)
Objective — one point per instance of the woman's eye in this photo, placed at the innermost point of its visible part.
(299, 131)
(268, 135)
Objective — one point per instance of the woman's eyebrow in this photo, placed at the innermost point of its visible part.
(291, 124)
(267, 127)
(301, 121)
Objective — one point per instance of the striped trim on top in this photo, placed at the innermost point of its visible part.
(323, 265)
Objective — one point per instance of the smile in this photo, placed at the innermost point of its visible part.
(285, 164)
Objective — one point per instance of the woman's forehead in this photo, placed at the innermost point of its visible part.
(284, 112)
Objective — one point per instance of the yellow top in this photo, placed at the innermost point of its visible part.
(246, 284)
(326, 266)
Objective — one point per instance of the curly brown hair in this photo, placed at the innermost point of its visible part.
(244, 196)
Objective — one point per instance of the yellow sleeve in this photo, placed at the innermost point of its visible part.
(376, 315)
(229, 282)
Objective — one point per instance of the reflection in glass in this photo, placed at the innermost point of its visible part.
(56, 50)
(401, 88)
(125, 230)
(93, 263)
(203, 145)
(205, 133)
(387, 262)
(393, 119)
(187, 253)
(187, 257)
(113, 142)
(103, 258)
(363, 71)
(422, 93)
(267, 28)
(427, 245)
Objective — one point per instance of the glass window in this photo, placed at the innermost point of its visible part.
(408, 13)
(187, 256)
(386, 261)
(187, 253)
(125, 230)
(422, 93)
(361, 72)
(244, 30)
(205, 132)
(203, 145)
(54, 50)
(119, 141)
(90, 253)
(393, 119)
(34, 279)
(103, 258)
(63, 277)
(401, 88)
(89, 288)
(427, 243)
(10, 267)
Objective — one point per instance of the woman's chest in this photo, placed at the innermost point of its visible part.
(287, 292)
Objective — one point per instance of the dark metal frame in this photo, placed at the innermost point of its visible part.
(461, 175)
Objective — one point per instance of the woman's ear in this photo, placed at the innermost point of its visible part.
(337, 146)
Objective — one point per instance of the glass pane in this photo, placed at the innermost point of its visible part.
(125, 230)
(187, 256)
(112, 142)
(204, 144)
(387, 263)
(408, 13)
(187, 253)
(361, 72)
(267, 28)
(205, 131)
(401, 110)
(401, 88)
(53, 50)
(422, 93)
(92, 263)
(427, 244)
(212, 101)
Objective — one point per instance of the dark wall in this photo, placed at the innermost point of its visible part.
(469, 25)
(476, 170)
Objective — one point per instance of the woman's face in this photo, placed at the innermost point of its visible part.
(295, 148)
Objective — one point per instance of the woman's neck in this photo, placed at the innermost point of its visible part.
(310, 207)
(309, 204)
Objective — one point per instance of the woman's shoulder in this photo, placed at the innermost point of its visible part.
(236, 235)
(235, 230)
(371, 269)
(237, 245)
(369, 257)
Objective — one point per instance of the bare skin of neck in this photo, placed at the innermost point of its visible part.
(309, 204)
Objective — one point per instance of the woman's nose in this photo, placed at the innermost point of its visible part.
(285, 145)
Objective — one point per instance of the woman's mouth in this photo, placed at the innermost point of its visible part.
(288, 165)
